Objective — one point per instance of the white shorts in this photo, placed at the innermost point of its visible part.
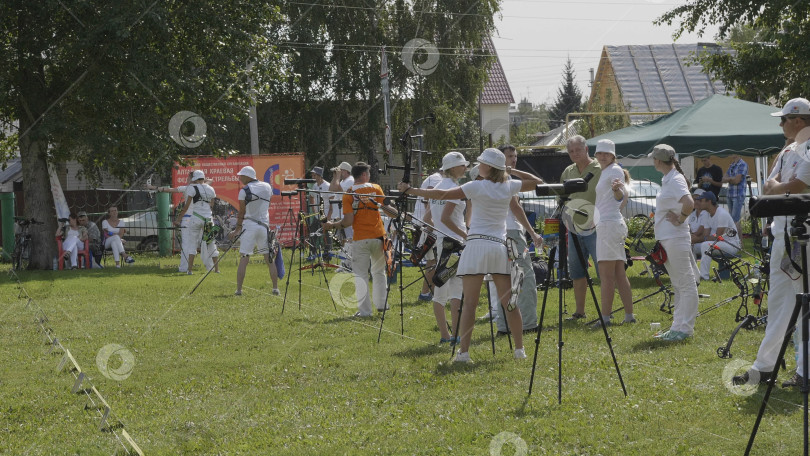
(452, 289)
(481, 256)
(253, 237)
(610, 236)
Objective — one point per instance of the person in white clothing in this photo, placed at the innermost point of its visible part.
(790, 174)
(74, 236)
(421, 211)
(611, 232)
(485, 251)
(315, 200)
(449, 218)
(342, 181)
(721, 234)
(199, 199)
(673, 205)
(253, 225)
(208, 250)
(698, 222)
(114, 230)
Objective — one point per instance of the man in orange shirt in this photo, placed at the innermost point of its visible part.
(362, 213)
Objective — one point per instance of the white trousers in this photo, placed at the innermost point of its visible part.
(365, 253)
(706, 260)
(114, 243)
(781, 301)
(683, 275)
(71, 245)
(208, 252)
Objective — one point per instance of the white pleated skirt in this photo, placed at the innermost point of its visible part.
(481, 256)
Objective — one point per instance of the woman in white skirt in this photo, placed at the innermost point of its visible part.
(611, 232)
(485, 251)
(673, 205)
(448, 218)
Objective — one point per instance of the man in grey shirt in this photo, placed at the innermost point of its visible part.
(94, 235)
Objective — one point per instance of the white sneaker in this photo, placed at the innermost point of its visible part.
(462, 358)
(276, 291)
(520, 353)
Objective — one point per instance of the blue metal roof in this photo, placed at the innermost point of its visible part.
(13, 168)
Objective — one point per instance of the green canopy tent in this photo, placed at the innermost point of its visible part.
(718, 125)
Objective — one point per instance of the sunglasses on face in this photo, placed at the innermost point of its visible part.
(786, 118)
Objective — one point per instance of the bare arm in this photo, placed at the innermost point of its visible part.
(688, 204)
(794, 185)
(520, 215)
(453, 193)
(524, 176)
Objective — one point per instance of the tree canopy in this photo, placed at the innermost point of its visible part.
(100, 82)
(769, 61)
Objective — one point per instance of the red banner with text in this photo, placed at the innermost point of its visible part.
(272, 169)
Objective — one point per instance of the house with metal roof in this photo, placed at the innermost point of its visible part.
(653, 78)
(495, 100)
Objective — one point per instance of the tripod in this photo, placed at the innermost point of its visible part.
(799, 231)
(562, 248)
(298, 244)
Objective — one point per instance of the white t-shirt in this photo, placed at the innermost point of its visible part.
(437, 208)
(203, 205)
(420, 208)
(490, 205)
(696, 221)
(722, 219)
(258, 206)
(607, 208)
(673, 188)
(795, 161)
(323, 187)
(111, 230)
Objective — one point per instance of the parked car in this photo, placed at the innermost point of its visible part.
(642, 198)
(142, 230)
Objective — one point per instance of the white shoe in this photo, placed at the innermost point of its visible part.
(520, 353)
(490, 316)
(276, 291)
(462, 358)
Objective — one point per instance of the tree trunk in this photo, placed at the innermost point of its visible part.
(38, 199)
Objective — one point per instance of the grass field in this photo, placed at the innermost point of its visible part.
(219, 374)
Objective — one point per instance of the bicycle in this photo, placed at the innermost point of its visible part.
(21, 256)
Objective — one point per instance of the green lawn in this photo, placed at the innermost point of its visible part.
(219, 374)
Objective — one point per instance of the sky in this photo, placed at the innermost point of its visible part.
(535, 37)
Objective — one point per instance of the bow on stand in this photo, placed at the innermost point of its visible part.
(398, 223)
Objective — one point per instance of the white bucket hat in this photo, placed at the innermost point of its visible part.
(197, 175)
(247, 171)
(493, 157)
(474, 173)
(453, 159)
(606, 145)
(345, 166)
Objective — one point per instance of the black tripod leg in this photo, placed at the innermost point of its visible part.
(779, 361)
(455, 337)
(578, 249)
(296, 245)
(540, 325)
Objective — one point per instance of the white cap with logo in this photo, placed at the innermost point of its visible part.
(796, 106)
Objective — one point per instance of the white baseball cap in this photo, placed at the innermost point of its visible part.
(796, 106)
(453, 159)
(197, 175)
(247, 171)
(493, 157)
(606, 145)
(345, 166)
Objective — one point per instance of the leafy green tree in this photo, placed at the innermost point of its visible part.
(769, 58)
(569, 97)
(99, 81)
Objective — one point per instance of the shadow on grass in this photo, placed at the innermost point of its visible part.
(656, 344)
(783, 401)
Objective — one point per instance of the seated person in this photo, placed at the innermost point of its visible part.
(114, 228)
(698, 222)
(73, 236)
(93, 233)
(720, 224)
